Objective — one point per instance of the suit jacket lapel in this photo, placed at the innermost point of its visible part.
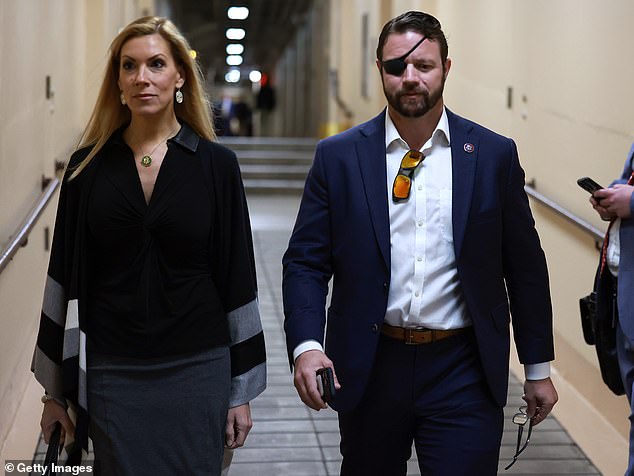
(464, 155)
(371, 157)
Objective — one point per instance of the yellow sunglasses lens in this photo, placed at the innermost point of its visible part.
(402, 185)
(411, 159)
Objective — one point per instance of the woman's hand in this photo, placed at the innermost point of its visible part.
(52, 413)
(238, 426)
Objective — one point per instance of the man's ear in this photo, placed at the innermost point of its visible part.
(447, 67)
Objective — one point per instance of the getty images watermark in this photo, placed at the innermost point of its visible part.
(39, 469)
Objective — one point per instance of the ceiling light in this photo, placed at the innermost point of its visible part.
(235, 49)
(234, 60)
(235, 33)
(255, 76)
(233, 76)
(238, 13)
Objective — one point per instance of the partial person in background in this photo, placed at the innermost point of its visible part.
(615, 287)
(244, 116)
(150, 329)
(420, 218)
(222, 116)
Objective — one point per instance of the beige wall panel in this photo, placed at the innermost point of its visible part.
(320, 52)
(572, 260)
(25, 138)
(479, 36)
(65, 40)
(355, 66)
(402, 6)
(104, 19)
(577, 94)
(345, 27)
(561, 150)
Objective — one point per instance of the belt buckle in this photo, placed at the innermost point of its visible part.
(409, 334)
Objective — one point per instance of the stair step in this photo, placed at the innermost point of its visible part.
(269, 171)
(274, 156)
(274, 186)
(273, 164)
(269, 143)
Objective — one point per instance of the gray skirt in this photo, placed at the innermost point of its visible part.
(161, 416)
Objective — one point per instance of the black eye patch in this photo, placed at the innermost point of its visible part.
(396, 66)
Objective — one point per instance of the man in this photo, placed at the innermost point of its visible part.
(616, 276)
(426, 250)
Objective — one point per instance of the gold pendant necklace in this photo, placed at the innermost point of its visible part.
(146, 160)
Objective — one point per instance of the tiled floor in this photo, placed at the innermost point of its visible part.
(290, 439)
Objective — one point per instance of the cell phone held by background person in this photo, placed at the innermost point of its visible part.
(326, 384)
(589, 185)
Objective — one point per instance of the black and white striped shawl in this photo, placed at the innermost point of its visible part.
(59, 361)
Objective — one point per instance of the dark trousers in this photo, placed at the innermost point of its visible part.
(433, 395)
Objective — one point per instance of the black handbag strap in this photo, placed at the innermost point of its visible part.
(52, 453)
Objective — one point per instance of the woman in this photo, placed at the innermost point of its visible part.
(150, 329)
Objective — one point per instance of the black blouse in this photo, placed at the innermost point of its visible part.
(151, 291)
(190, 312)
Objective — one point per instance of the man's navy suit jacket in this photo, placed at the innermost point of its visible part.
(343, 231)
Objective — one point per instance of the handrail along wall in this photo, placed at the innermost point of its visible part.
(569, 216)
(21, 236)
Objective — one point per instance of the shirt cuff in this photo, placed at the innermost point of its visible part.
(305, 347)
(537, 371)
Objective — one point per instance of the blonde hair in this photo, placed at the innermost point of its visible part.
(109, 114)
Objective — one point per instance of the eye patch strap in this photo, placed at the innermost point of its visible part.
(400, 61)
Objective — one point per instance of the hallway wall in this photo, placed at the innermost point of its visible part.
(571, 94)
(67, 41)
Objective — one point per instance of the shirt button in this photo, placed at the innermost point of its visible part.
(420, 223)
(420, 187)
(419, 258)
(375, 328)
(417, 293)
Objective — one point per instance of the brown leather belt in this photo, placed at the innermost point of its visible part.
(413, 336)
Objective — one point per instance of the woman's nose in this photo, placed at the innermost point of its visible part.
(141, 75)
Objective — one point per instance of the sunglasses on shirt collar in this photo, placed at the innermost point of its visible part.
(396, 66)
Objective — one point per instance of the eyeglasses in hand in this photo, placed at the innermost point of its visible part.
(520, 419)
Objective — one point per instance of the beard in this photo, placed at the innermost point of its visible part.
(414, 107)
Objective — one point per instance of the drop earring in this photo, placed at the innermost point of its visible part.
(122, 97)
(179, 96)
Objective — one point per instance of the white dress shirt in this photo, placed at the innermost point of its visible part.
(613, 253)
(424, 287)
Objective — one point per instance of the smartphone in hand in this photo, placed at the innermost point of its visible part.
(589, 185)
(326, 384)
